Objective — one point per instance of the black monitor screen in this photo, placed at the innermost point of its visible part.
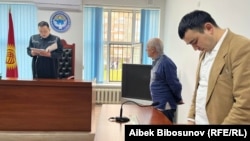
(135, 81)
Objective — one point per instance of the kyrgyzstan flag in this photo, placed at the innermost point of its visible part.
(11, 62)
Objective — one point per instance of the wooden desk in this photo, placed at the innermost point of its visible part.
(45, 105)
(112, 131)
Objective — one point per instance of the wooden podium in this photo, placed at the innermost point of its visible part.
(113, 131)
(45, 105)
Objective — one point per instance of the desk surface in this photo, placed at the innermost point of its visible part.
(113, 131)
(50, 82)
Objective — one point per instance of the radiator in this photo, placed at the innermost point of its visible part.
(107, 95)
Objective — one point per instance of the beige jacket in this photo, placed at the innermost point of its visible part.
(228, 95)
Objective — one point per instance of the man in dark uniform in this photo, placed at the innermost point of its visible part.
(45, 50)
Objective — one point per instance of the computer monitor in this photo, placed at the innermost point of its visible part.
(135, 82)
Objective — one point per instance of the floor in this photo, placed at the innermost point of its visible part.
(54, 136)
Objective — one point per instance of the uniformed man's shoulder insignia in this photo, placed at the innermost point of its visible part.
(60, 21)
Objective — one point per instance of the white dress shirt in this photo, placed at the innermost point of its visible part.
(206, 64)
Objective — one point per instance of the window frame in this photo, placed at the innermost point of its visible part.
(108, 42)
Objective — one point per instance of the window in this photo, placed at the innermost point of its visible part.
(121, 41)
(116, 36)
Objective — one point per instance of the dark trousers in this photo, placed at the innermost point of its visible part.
(170, 114)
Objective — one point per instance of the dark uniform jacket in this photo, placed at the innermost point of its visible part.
(45, 67)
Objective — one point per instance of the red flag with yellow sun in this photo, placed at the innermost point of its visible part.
(11, 62)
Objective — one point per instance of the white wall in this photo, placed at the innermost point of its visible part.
(234, 14)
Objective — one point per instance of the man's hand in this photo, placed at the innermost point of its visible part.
(180, 102)
(34, 53)
(45, 53)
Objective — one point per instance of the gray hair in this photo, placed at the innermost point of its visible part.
(157, 43)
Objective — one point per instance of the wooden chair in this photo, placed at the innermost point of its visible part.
(67, 61)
